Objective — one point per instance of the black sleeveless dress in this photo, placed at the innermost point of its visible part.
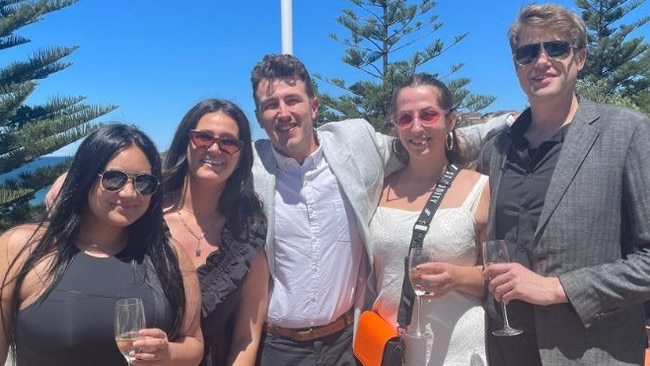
(73, 324)
(221, 279)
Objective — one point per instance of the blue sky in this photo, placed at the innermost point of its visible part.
(157, 58)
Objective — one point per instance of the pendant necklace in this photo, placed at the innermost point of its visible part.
(198, 238)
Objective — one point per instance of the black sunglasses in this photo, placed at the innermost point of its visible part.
(226, 144)
(557, 50)
(115, 181)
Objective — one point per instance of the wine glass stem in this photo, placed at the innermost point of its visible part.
(417, 324)
(506, 323)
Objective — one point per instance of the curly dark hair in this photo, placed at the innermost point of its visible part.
(281, 67)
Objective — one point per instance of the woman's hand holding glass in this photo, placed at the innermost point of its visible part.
(152, 345)
(138, 344)
(437, 278)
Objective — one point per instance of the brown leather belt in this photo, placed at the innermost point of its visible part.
(308, 334)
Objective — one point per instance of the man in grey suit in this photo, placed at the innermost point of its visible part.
(571, 193)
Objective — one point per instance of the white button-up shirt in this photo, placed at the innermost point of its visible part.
(317, 245)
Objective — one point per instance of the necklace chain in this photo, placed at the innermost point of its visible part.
(198, 238)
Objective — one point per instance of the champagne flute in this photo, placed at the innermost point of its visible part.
(418, 256)
(496, 251)
(129, 319)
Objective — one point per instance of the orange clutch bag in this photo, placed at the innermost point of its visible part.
(376, 343)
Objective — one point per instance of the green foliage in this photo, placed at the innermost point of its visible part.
(381, 46)
(642, 98)
(31, 131)
(597, 91)
(617, 63)
(17, 208)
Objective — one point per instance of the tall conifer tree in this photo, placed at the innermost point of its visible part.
(388, 45)
(29, 131)
(618, 61)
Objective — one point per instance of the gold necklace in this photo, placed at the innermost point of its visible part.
(198, 238)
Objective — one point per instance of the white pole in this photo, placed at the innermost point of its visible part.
(287, 29)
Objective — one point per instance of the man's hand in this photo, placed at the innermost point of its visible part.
(512, 281)
(53, 193)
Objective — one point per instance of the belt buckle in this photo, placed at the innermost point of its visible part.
(311, 333)
(304, 334)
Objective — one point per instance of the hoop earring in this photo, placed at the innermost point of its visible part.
(449, 141)
(394, 145)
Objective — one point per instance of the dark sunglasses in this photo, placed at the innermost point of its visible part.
(226, 144)
(427, 117)
(557, 50)
(115, 181)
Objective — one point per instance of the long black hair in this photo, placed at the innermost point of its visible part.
(238, 203)
(146, 237)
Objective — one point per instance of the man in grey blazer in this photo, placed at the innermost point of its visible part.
(320, 189)
(571, 193)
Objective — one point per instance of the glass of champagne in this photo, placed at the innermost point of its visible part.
(129, 319)
(496, 251)
(418, 256)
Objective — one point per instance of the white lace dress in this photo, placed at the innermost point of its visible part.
(457, 319)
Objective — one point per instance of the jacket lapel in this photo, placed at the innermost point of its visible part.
(264, 171)
(497, 162)
(344, 167)
(578, 142)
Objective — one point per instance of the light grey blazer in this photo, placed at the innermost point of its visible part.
(359, 158)
(594, 234)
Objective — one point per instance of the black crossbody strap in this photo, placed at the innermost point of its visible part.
(420, 230)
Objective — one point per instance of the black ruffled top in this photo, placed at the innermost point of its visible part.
(221, 279)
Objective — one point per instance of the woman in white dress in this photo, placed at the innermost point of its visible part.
(423, 115)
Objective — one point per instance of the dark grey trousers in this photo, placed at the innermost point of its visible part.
(333, 350)
(511, 351)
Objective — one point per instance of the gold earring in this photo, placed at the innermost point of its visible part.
(449, 141)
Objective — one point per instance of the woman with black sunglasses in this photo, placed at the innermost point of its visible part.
(104, 240)
(212, 211)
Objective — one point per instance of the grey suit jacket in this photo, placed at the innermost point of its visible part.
(594, 234)
(359, 158)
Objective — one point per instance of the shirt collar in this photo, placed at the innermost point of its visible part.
(286, 163)
(521, 125)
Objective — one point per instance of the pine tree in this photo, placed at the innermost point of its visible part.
(597, 91)
(617, 62)
(391, 29)
(31, 131)
(642, 99)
